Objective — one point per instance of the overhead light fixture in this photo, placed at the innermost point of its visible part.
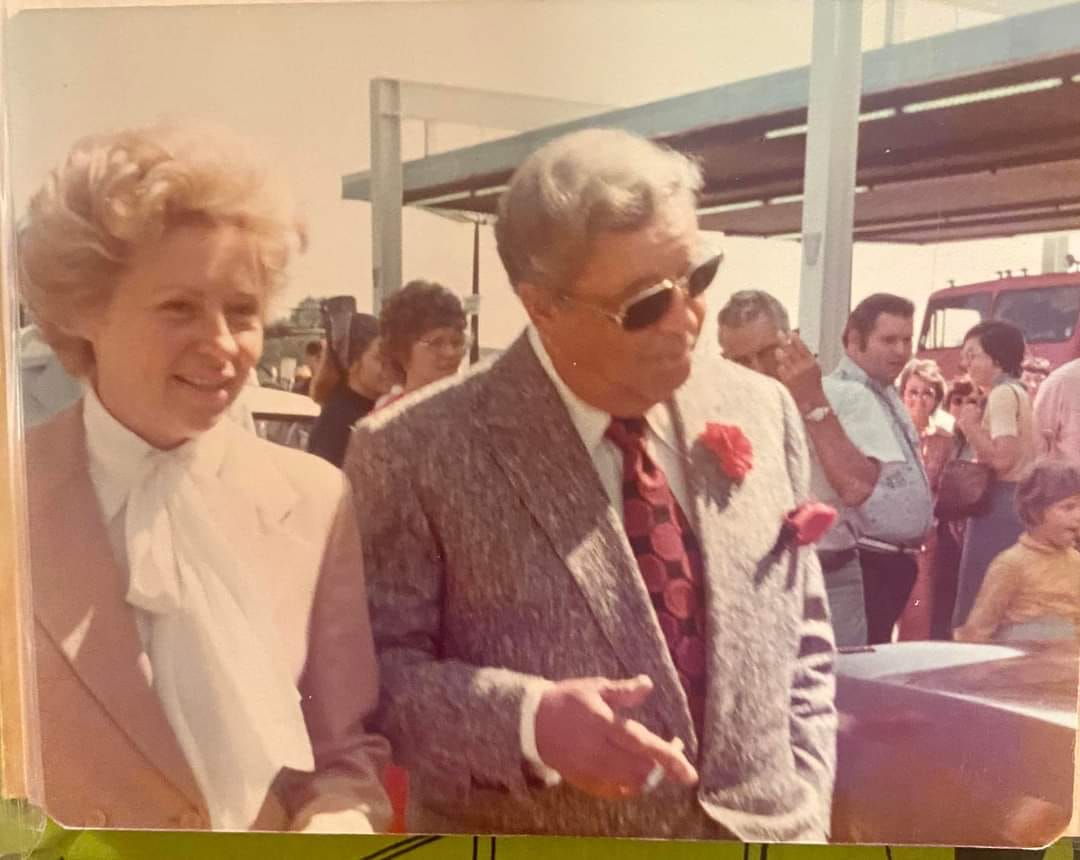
(458, 196)
(786, 198)
(1075, 79)
(730, 207)
(983, 95)
(793, 130)
(975, 217)
(789, 131)
(459, 216)
(445, 198)
(898, 224)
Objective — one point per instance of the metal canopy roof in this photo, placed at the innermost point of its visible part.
(967, 135)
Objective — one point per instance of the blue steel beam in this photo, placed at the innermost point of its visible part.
(1019, 40)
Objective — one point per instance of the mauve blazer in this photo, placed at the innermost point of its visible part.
(494, 557)
(110, 756)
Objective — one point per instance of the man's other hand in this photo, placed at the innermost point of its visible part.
(800, 373)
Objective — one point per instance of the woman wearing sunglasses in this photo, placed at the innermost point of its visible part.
(423, 335)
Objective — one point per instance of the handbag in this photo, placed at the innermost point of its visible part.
(964, 487)
(963, 490)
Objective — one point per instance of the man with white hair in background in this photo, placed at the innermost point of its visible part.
(751, 328)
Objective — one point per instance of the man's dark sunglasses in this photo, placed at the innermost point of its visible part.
(649, 306)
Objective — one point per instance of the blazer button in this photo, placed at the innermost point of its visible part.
(191, 820)
(96, 818)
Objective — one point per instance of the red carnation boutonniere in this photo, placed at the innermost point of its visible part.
(805, 525)
(731, 448)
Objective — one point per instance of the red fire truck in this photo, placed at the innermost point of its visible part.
(1045, 307)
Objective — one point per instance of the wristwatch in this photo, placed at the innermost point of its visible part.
(816, 416)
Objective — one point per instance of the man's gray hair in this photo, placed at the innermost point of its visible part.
(577, 187)
(745, 306)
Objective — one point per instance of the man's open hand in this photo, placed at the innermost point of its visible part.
(580, 734)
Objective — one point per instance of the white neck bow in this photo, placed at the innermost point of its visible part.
(234, 708)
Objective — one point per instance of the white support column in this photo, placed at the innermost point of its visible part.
(894, 21)
(386, 189)
(392, 101)
(832, 142)
(1054, 250)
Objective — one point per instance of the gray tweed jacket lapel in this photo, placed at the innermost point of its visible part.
(538, 448)
(719, 536)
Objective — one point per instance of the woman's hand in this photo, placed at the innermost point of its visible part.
(970, 419)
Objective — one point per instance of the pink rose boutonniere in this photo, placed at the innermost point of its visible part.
(805, 525)
(732, 449)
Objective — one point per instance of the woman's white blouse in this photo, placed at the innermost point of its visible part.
(188, 542)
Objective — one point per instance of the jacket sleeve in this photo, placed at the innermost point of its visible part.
(339, 689)
(453, 724)
(813, 687)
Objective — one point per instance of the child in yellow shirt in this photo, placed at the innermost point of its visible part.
(1032, 589)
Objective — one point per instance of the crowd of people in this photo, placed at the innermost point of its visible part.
(567, 593)
(909, 557)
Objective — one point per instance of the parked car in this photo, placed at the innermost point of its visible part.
(956, 743)
(280, 416)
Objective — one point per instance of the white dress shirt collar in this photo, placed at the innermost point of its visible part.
(118, 457)
(590, 422)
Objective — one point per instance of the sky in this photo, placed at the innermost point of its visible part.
(294, 79)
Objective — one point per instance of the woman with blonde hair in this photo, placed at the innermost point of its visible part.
(922, 388)
(203, 646)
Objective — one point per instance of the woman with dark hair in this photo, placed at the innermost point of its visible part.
(423, 334)
(961, 392)
(354, 396)
(1002, 436)
(423, 340)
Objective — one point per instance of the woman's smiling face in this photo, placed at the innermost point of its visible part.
(181, 333)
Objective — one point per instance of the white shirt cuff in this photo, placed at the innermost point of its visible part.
(342, 821)
(530, 704)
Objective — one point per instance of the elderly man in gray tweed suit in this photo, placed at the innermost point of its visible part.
(589, 618)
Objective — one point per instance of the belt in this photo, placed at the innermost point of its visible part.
(886, 548)
(834, 559)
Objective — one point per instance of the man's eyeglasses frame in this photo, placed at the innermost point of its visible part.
(649, 306)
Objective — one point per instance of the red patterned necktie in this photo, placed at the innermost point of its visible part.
(669, 557)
